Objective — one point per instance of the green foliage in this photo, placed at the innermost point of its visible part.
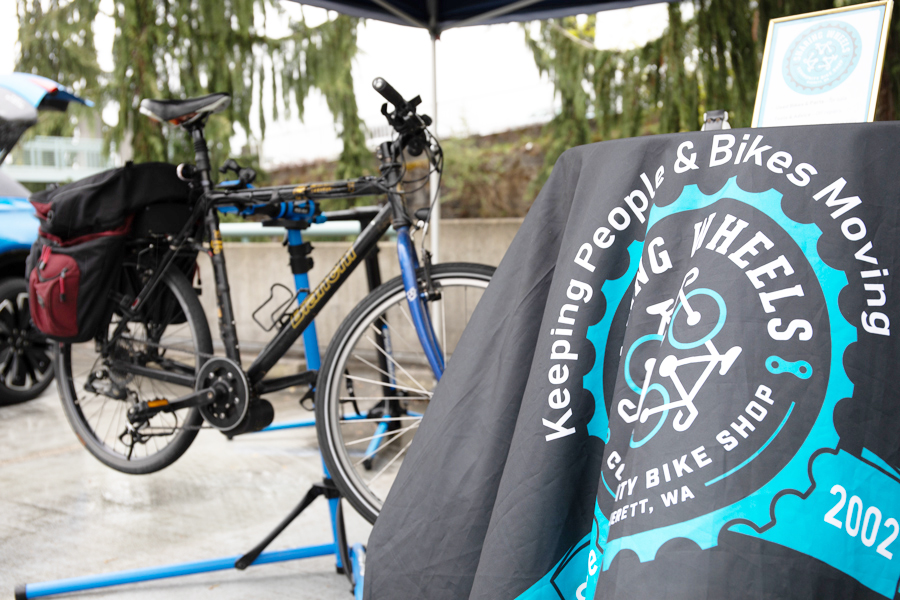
(560, 52)
(487, 178)
(56, 40)
(711, 61)
(173, 49)
(335, 44)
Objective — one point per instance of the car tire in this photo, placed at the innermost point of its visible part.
(26, 356)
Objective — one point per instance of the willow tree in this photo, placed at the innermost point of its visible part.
(560, 51)
(175, 49)
(711, 61)
(54, 43)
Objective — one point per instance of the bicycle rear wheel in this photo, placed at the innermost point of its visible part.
(375, 382)
(169, 335)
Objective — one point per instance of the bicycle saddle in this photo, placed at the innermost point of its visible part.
(184, 112)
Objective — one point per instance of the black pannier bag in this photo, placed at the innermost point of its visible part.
(104, 201)
(77, 258)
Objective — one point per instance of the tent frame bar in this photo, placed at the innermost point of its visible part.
(497, 12)
(400, 14)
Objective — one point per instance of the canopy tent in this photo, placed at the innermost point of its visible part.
(437, 16)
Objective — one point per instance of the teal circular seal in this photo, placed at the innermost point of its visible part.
(700, 364)
(822, 57)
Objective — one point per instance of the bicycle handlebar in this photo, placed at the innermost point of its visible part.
(390, 94)
(404, 119)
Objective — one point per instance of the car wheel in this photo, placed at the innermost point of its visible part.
(26, 356)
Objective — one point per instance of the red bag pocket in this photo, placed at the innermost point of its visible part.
(53, 290)
(69, 283)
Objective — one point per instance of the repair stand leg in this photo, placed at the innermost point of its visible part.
(326, 488)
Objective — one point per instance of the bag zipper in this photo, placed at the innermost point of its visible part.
(45, 255)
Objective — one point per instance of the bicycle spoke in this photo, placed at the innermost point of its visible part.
(378, 369)
(399, 432)
(385, 373)
(408, 317)
(380, 419)
(399, 387)
(97, 412)
(151, 341)
(394, 361)
(396, 436)
(110, 426)
(392, 331)
(390, 462)
(363, 366)
(416, 398)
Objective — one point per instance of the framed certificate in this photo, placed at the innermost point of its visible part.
(823, 67)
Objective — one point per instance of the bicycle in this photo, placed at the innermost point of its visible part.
(667, 368)
(138, 393)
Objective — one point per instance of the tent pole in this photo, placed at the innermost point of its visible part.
(434, 185)
(434, 181)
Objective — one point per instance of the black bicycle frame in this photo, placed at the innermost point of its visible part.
(303, 315)
(278, 202)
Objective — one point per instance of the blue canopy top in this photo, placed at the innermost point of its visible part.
(439, 15)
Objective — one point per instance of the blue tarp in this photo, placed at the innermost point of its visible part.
(22, 95)
(39, 91)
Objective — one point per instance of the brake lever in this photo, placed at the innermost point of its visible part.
(246, 175)
(230, 165)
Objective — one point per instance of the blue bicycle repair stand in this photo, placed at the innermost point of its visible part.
(343, 553)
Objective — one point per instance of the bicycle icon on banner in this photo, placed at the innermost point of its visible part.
(669, 366)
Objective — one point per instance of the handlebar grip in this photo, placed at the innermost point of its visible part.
(390, 94)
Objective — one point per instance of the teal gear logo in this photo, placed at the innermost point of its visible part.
(822, 57)
(701, 393)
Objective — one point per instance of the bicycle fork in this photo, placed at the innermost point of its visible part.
(415, 299)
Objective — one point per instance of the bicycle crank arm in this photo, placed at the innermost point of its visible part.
(147, 409)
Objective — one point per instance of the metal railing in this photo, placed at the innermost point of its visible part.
(46, 159)
(245, 231)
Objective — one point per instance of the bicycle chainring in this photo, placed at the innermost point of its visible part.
(229, 409)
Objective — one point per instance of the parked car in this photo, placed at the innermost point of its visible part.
(26, 365)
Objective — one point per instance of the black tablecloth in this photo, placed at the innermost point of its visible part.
(679, 384)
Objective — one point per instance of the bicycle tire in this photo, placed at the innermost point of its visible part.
(460, 286)
(26, 355)
(86, 408)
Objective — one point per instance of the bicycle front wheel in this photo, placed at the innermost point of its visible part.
(170, 335)
(375, 383)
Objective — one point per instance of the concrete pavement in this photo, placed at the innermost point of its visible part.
(64, 514)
